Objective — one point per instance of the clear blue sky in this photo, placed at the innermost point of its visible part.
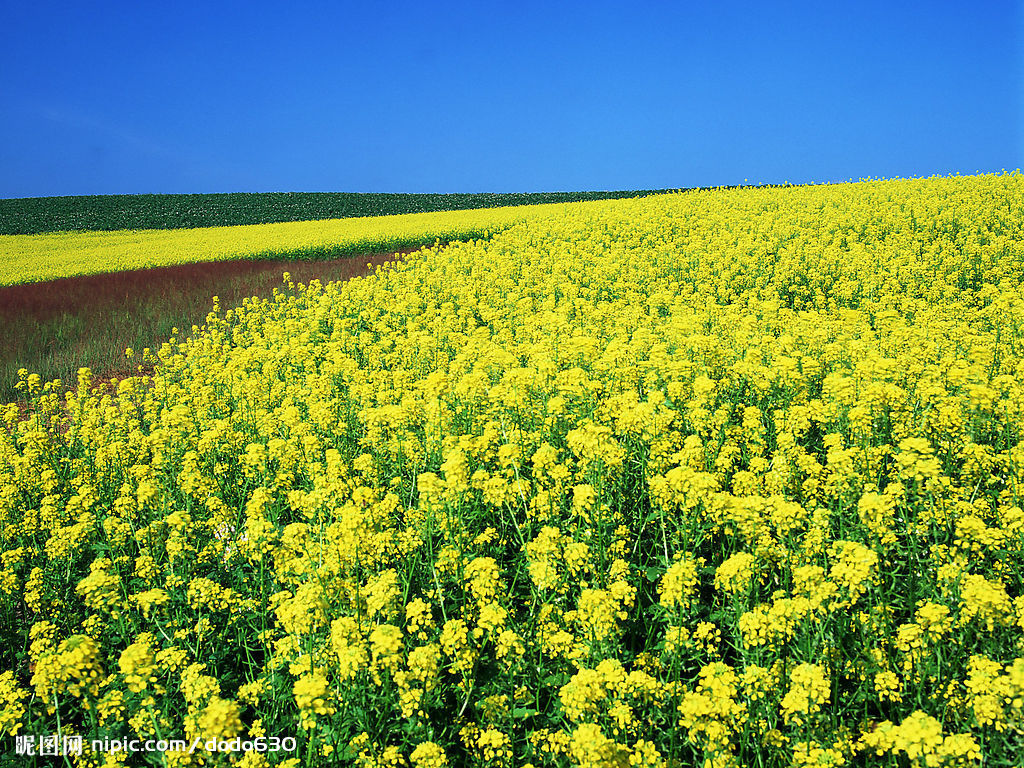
(137, 97)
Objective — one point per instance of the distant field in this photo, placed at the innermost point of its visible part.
(55, 255)
(32, 215)
(74, 299)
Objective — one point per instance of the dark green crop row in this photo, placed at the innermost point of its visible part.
(31, 215)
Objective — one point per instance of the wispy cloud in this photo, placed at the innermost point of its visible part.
(192, 168)
(116, 132)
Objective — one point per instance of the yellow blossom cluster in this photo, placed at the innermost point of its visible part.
(720, 478)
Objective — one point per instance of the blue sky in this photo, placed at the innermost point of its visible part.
(152, 97)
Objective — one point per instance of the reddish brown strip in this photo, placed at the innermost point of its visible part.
(55, 327)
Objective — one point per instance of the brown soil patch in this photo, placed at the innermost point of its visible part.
(44, 300)
(58, 326)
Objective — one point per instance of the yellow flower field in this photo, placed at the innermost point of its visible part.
(725, 478)
(31, 258)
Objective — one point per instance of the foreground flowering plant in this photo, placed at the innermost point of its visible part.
(718, 479)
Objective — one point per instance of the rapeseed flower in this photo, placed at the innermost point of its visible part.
(687, 478)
